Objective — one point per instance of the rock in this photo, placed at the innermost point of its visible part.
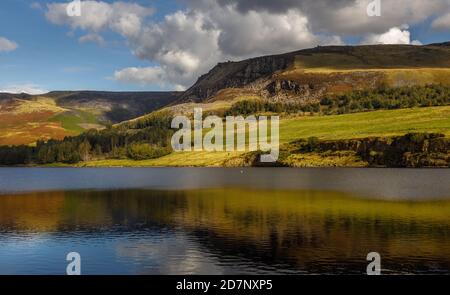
(235, 75)
(413, 150)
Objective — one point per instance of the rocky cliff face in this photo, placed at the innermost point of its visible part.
(236, 75)
(309, 87)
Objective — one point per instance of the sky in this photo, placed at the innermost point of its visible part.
(166, 45)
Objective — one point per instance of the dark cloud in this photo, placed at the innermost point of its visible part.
(347, 17)
(281, 6)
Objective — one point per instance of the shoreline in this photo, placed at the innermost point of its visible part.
(62, 166)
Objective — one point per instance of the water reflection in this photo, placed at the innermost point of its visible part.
(221, 231)
(388, 184)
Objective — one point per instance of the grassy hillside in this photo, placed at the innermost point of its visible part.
(359, 125)
(373, 56)
(77, 121)
(24, 119)
(114, 106)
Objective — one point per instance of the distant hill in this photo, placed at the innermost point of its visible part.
(26, 118)
(308, 74)
(115, 106)
(440, 44)
(10, 96)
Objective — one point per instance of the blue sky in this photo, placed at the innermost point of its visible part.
(47, 57)
(182, 39)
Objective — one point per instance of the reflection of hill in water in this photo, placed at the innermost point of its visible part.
(304, 230)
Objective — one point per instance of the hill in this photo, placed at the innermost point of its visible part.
(114, 106)
(307, 75)
(24, 118)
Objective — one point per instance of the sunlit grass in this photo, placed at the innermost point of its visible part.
(176, 159)
(348, 126)
(73, 121)
(360, 125)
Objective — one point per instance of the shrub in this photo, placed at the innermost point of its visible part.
(143, 151)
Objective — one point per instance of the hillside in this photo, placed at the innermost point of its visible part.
(307, 75)
(384, 123)
(27, 118)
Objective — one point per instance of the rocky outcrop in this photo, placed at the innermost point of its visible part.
(413, 150)
(236, 75)
(293, 87)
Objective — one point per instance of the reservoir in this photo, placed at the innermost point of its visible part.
(224, 221)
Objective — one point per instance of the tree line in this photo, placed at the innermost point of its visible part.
(387, 98)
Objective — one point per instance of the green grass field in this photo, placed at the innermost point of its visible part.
(72, 121)
(358, 125)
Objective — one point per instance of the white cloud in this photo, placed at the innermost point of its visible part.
(7, 45)
(396, 35)
(92, 37)
(23, 88)
(442, 22)
(257, 33)
(142, 76)
(184, 44)
(96, 16)
(147, 76)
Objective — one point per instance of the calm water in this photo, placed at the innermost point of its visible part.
(224, 221)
